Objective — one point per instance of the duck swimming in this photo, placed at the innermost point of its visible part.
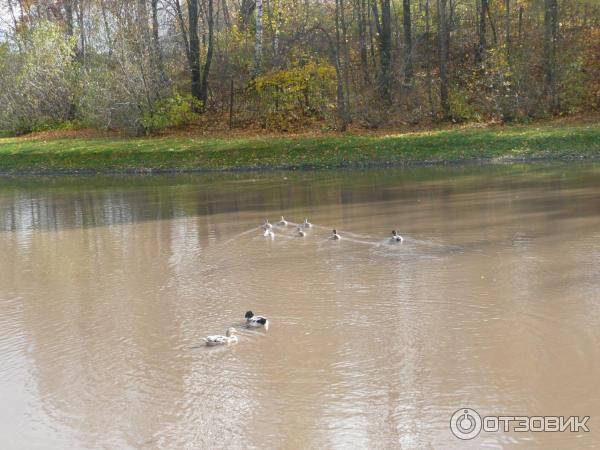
(282, 222)
(267, 225)
(396, 237)
(229, 338)
(306, 223)
(300, 232)
(269, 233)
(336, 236)
(256, 321)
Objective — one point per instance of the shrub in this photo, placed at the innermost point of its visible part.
(173, 112)
(296, 94)
(42, 79)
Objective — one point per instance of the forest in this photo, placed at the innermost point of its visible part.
(147, 66)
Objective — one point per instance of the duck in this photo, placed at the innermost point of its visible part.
(229, 338)
(256, 321)
(300, 232)
(282, 222)
(396, 237)
(269, 233)
(306, 223)
(267, 225)
(336, 236)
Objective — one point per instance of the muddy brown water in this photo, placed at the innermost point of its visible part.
(108, 284)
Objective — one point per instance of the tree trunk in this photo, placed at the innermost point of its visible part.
(80, 22)
(155, 40)
(346, 58)
(271, 28)
(11, 10)
(231, 104)
(449, 25)
(194, 44)
(226, 17)
(443, 56)
(259, 38)
(385, 49)
(520, 22)
(69, 28)
(507, 30)
(341, 98)
(278, 27)
(107, 31)
(492, 26)
(362, 37)
(428, 59)
(246, 11)
(550, 38)
(68, 20)
(142, 21)
(372, 11)
(408, 65)
(184, 32)
(209, 55)
(508, 105)
(480, 49)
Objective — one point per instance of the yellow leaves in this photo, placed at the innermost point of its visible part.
(291, 96)
(297, 78)
(173, 112)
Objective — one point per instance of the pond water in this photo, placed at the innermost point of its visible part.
(108, 284)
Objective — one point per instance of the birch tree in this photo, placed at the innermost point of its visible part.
(258, 46)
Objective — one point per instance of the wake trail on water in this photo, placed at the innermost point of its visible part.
(243, 233)
(348, 233)
(387, 242)
(277, 236)
(349, 239)
(289, 232)
(427, 243)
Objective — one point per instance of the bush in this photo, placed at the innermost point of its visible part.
(120, 95)
(291, 96)
(487, 93)
(37, 84)
(581, 75)
(174, 112)
(461, 107)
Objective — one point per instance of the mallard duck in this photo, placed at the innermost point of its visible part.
(336, 236)
(267, 225)
(396, 237)
(269, 233)
(256, 321)
(282, 222)
(306, 223)
(300, 232)
(229, 338)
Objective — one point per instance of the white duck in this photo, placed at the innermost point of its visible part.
(282, 222)
(267, 225)
(256, 321)
(306, 223)
(300, 232)
(396, 237)
(229, 338)
(336, 236)
(269, 233)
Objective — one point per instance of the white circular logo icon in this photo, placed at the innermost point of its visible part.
(465, 423)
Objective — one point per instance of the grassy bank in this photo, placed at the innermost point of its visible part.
(93, 154)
